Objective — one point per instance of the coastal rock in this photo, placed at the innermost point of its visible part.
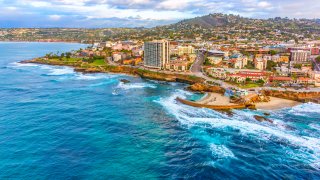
(200, 87)
(291, 95)
(262, 119)
(125, 81)
(266, 114)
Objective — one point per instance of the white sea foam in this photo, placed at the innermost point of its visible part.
(315, 126)
(81, 76)
(304, 109)
(58, 71)
(242, 121)
(128, 86)
(21, 65)
(115, 92)
(221, 151)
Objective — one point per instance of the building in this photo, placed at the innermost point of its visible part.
(219, 73)
(260, 63)
(299, 56)
(241, 62)
(177, 66)
(185, 50)
(315, 51)
(117, 57)
(316, 76)
(215, 59)
(242, 76)
(284, 59)
(156, 54)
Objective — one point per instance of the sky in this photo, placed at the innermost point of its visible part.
(141, 13)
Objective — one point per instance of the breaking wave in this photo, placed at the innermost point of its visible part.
(304, 109)
(17, 65)
(129, 86)
(244, 122)
(60, 71)
(91, 76)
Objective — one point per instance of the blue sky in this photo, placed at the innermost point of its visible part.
(137, 13)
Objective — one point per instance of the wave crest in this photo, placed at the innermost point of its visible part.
(129, 86)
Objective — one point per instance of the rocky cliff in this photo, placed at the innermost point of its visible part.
(296, 96)
(200, 87)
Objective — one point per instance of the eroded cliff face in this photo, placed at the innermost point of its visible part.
(200, 87)
(296, 96)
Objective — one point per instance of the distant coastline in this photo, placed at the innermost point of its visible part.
(21, 41)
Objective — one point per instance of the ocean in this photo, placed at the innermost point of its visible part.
(59, 124)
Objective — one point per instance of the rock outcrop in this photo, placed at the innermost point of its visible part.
(200, 87)
(295, 96)
(262, 119)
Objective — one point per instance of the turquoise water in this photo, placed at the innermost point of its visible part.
(58, 124)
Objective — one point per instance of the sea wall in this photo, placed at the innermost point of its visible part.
(216, 107)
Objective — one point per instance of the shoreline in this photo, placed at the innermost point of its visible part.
(133, 71)
(71, 42)
(277, 104)
(214, 94)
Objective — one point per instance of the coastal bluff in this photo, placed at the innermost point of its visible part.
(295, 96)
(120, 69)
(201, 87)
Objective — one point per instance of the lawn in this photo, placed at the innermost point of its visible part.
(250, 85)
(98, 62)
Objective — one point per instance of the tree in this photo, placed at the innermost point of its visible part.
(207, 62)
(298, 66)
(62, 55)
(271, 65)
(250, 65)
(273, 52)
(260, 81)
(248, 80)
(68, 54)
(318, 59)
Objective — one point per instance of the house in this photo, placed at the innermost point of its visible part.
(117, 57)
(260, 63)
(215, 59)
(177, 66)
(305, 80)
(242, 76)
(281, 79)
(219, 73)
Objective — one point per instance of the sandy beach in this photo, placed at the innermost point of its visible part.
(215, 99)
(276, 103)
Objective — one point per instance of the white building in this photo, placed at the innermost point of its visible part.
(185, 50)
(156, 54)
(299, 56)
(260, 63)
(116, 57)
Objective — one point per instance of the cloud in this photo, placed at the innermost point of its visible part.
(264, 4)
(55, 17)
(102, 13)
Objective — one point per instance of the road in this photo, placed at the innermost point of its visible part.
(197, 65)
(316, 64)
(196, 69)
